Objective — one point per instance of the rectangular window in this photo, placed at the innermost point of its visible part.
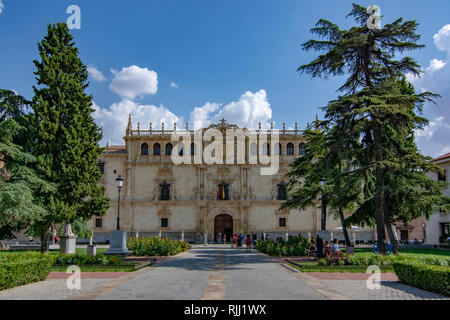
(164, 222)
(282, 222)
(98, 223)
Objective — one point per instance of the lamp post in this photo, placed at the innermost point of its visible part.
(324, 208)
(118, 242)
(119, 181)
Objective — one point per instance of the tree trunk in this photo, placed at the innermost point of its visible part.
(45, 240)
(392, 239)
(379, 196)
(344, 228)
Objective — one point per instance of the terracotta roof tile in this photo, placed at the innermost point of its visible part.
(445, 156)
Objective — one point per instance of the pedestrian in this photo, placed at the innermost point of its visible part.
(248, 243)
(319, 246)
(335, 247)
(239, 243)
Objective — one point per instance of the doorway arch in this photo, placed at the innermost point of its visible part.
(223, 223)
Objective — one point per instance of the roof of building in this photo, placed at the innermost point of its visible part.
(445, 156)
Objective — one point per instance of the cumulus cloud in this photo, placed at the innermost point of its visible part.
(114, 119)
(96, 74)
(433, 140)
(174, 85)
(247, 112)
(1, 7)
(134, 81)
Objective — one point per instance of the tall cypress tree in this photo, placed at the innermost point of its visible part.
(66, 138)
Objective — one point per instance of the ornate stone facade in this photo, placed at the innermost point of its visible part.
(190, 201)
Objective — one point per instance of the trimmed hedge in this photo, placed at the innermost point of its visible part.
(294, 247)
(83, 259)
(424, 276)
(156, 246)
(21, 270)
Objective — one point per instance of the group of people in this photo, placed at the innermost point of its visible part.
(237, 242)
(317, 246)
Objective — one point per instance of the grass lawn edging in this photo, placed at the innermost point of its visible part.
(335, 268)
(424, 276)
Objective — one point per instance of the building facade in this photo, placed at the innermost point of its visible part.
(160, 197)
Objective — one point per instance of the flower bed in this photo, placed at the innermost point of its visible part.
(294, 247)
(424, 276)
(155, 246)
(19, 270)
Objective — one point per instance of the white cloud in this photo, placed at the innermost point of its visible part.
(442, 38)
(114, 120)
(200, 116)
(134, 81)
(1, 7)
(96, 74)
(247, 112)
(435, 65)
(174, 85)
(436, 78)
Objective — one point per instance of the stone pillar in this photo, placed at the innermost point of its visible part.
(91, 249)
(182, 236)
(205, 238)
(68, 241)
(286, 236)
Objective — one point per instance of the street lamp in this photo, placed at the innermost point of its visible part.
(324, 207)
(119, 181)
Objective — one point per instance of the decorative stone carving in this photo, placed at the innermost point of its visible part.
(251, 193)
(164, 212)
(222, 125)
(236, 195)
(211, 195)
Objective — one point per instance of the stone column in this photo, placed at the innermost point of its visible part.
(68, 241)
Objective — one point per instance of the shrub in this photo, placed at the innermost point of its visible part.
(154, 246)
(295, 247)
(83, 259)
(424, 276)
(18, 270)
(380, 260)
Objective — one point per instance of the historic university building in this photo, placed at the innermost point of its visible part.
(159, 196)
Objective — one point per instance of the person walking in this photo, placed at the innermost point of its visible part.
(319, 246)
(239, 243)
(248, 243)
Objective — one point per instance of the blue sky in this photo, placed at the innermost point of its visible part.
(197, 61)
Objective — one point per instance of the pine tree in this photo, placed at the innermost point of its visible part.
(19, 183)
(66, 138)
(368, 104)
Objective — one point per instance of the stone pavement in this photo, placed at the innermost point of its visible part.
(217, 272)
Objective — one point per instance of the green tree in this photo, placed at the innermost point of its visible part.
(19, 183)
(65, 138)
(368, 106)
(323, 160)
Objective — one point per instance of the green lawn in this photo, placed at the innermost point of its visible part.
(54, 252)
(436, 253)
(314, 267)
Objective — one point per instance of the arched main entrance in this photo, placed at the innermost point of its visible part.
(223, 223)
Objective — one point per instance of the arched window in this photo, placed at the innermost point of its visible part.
(181, 148)
(193, 149)
(266, 149)
(290, 149)
(278, 149)
(254, 149)
(282, 191)
(144, 149)
(165, 191)
(223, 191)
(301, 149)
(156, 149)
(169, 148)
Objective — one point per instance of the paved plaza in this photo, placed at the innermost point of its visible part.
(217, 272)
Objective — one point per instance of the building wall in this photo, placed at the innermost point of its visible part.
(253, 203)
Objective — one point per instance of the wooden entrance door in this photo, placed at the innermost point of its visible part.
(223, 223)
